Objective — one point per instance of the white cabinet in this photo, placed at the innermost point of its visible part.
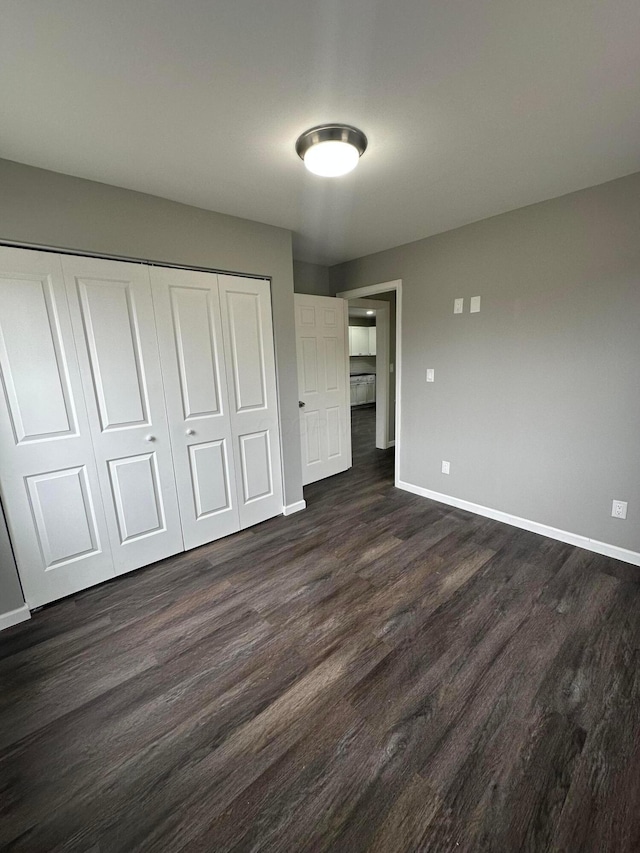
(128, 434)
(362, 340)
(363, 389)
(358, 340)
(370, 390)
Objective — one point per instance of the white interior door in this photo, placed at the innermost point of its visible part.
(187, 307)
(48, 474)
(323, 370)
(114, 327)
(245, 305)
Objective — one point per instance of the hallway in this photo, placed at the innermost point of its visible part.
(378, 672)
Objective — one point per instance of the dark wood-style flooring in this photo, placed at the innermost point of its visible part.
(379, 672)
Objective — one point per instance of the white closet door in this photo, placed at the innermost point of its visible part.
(48, 475)
(250, 363)
(325, 417)
(114, 326)
(187, 309)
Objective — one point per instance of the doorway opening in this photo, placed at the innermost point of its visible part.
(374, 362)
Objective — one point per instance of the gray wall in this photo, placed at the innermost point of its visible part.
(536, 402)
(10, 590)
(312, 279)
(50, 209)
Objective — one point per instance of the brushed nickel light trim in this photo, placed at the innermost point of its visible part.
(343, 133)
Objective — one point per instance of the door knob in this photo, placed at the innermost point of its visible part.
(150, 438)
(191, 432)
(301, 405)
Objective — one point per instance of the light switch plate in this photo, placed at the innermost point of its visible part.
(458, 306)
(431, 374)
(445, 467)
(475, 305)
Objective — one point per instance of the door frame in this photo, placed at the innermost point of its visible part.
(373, 290)
(383, 312)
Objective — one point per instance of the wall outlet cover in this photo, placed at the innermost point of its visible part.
(458, 306)
(475, 305)
(619, 509)
(445, 467)
(431, 374)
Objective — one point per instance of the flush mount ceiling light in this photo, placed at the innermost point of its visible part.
(331, 150)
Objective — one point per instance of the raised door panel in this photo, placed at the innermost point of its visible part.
(247, 349)
(196, 346)
(335, 432)
(187, 311)
(250, 365)
(138, 499)
(309, 379)
(48, 476)
(311, 454)
(212, 489)
(257, 469)
(112, 334)
(34, 360)
(334, 375)
(64, 515)
(115, 332)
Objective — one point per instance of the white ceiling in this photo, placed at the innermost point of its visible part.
(472, 107)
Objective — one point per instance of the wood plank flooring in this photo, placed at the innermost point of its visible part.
(377, 673)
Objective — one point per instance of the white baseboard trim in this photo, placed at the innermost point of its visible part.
(296, 507)
(594, 545)
(14, 617)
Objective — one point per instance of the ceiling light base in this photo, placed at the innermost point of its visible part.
(331, 150)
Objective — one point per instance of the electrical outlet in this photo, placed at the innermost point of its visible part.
(445, 467)
(431, 374)
(619, 509)
(474, 307)
(458, 306)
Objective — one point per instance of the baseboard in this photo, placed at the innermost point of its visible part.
(14, 617)
(594, 545)
(296, 507)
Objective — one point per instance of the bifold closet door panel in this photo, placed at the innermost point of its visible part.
(48, 478)
(250, 363)
(114, 326)
(187, 310)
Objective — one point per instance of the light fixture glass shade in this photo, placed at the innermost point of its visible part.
(331, 159)
(331, 150)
